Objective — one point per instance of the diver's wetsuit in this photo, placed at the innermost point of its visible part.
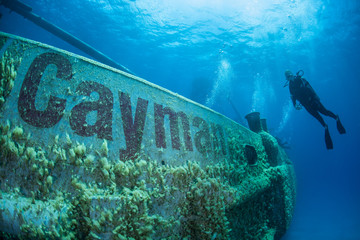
(301, 90)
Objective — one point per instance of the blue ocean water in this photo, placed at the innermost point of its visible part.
(230, 54)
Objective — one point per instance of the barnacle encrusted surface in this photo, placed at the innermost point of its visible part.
(93, 196)
(8, 65)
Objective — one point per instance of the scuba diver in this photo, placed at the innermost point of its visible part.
(301, 91)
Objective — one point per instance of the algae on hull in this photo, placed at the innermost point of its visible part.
(137, 197)
(8, 65)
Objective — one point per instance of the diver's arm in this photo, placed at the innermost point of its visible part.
(297, 106)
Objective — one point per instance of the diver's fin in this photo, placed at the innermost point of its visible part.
(339, 126)
(328, 141)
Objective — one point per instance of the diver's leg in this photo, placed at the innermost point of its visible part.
(314, 113)
(326, 112)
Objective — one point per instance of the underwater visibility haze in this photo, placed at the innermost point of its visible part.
(231, 56)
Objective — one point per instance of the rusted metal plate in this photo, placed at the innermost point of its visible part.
(126, 157)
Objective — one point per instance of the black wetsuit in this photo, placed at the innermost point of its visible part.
(301, 90)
